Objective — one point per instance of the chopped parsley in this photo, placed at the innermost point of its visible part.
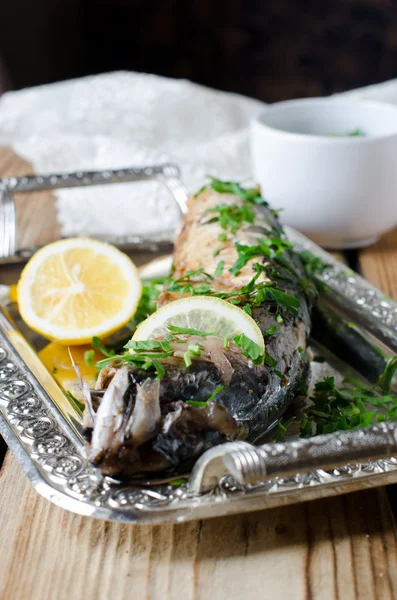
(79, 406)
(313, 264)
(231, 187)
(249, 348)
(247, 309)
(386, 378)
(105, 349)
(269, 247)
(352, 405)
(196, 403)
(89, 357)
(199, 404)
(178, 481)
(219, 268)
(147, 303)
(192, 282)
(188, 331)
(193, 351)
(270, 361)
(216, 392)
(231, 216)
(271, 330)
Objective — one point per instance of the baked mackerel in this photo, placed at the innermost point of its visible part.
(231, 246)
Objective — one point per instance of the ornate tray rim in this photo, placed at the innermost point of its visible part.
(41, 435)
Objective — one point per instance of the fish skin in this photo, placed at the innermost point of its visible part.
(256, 396)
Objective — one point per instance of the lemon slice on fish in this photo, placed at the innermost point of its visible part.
(78, 288)
(201, 313)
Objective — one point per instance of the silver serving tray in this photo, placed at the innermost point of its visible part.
(44, 430)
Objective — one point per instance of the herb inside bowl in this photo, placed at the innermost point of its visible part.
(353, 133)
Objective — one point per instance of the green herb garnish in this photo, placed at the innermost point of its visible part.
(231, 187)
(219, 268)
(231, 216)
(216, 392)
(247, 309)
(352, 405)
(188, 331)
(147, 303)
(193, 351)
(249, 348)
(104, 349)
(199, 404)
(89, 357)
(386, 379)
(196, 403)
(178, 481)
(267, 247)
(271, 330)
(192, 282)
(269, 360)
(73, 400)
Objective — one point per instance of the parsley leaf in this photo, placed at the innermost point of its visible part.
(80, 406)
(105, 349)
(219, 268)
(147, 303)
(216, 392)
(231, 216)
(386, 379)
(247, 309)
(231, 187)
(270, 247)
(210, 399)
(249, 348)
(196, 403)
(271, 330)
(188, 331)
(89, 357)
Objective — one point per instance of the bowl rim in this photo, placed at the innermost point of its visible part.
(323, 101)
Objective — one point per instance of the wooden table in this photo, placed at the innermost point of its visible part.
(342, 547)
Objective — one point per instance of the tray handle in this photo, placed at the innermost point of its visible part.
(168, 173)
(249, 464)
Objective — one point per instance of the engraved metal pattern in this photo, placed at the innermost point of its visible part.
(57, 467)
(375, 307)
(60, 464)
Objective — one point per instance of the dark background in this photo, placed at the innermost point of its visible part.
(268, 50)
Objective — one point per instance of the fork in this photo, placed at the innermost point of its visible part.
(8, 229)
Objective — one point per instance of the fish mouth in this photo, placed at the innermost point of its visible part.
(143, 424)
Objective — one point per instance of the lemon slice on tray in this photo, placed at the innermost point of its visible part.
(204, 314)
(74, 289)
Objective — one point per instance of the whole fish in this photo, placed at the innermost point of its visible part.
(231, 246)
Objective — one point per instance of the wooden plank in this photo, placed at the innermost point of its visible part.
(342, 547)
(36, 212)
(379, 264)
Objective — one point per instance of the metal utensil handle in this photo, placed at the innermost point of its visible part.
(35, 183)
(250, 464)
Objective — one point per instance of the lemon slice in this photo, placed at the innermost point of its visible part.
(78, 288)
(202, 313)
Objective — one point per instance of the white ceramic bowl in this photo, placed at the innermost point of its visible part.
(341, 191)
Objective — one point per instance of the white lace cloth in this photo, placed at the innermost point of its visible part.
(131, 119)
